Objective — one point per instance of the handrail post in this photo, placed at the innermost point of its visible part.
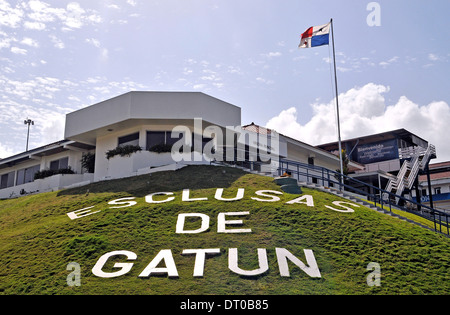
(434, 220)
(446, 219)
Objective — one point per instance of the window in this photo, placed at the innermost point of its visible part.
(59, 164)
(7, 180)
(165, 138)
(160, 138)
(155, 138)
(437, 190)
(424, 192)
(26, 175)
(132, 139)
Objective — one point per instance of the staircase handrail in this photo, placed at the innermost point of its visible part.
(414, 172)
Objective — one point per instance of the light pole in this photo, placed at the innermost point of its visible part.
(28, 122)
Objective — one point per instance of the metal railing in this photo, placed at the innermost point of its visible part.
(332, 179)
(416, 158)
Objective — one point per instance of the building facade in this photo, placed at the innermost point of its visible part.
(132, 134)
(142, 132)
(393, 160)
(58, 164)
(437, 194)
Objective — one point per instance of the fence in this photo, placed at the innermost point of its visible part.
(380, 197)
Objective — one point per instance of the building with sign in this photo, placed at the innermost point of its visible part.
(392, 160)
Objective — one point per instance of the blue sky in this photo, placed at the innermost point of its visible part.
(58, 56)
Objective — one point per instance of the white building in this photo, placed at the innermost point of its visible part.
(17, 172)
(142, 123)
(438, 192)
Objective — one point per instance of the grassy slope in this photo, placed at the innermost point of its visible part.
(38, 240)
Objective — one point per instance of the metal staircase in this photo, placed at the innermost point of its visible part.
(416, 159)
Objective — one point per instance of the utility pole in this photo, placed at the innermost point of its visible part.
(28, 122)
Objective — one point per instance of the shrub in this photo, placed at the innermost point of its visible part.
(47, 173)
(160, 148)
(125, 150)
(88, 162)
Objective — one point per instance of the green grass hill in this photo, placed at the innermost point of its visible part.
(39, 240)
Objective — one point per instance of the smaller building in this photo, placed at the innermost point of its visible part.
(47, 168)
(295, 151)
(439, 191)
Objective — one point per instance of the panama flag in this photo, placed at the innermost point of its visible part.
(315, 36)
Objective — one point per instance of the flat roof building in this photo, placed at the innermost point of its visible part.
(384, 155)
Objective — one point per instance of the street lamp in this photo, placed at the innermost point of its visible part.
(28, 122)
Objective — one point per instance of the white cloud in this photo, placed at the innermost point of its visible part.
(113, 6)
(18, 51)
(93, 41)
(5, 151)
(265, 81)
(57, 42)
(105, 53)
(199, 86)
(6, 42)
(44, 100)
(272, 54)
(29, 42)
(389, 62)
(9, 16)
(35, 14)
(74, 17)
(51, 127)
(433, 57)
(38, 26)
(363, 112)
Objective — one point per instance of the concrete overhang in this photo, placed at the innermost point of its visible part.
(134, 108)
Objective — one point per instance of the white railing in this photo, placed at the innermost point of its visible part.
(419, 160)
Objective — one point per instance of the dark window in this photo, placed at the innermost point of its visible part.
(155, 138)
(161, 138)
(7, 180)
(169, 140)
(165, 138)
(132, 139)
(59, 164)
(205, 141)
(26, 175)
(201, 138)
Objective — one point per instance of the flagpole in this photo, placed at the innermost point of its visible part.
(337, 108)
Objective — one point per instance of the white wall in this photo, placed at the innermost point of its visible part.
(123, 111)
(117, 166)
(50, 183)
